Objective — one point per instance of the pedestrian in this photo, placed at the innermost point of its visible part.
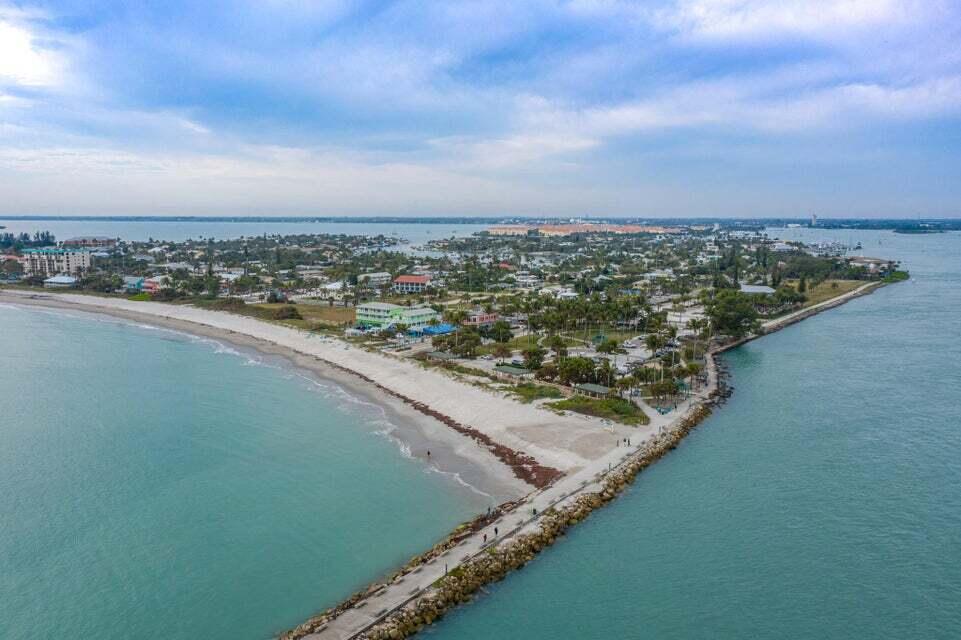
(495, 531)
(428, 453)
(485, 538)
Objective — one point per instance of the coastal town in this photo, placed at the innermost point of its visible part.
(611, 321)
(571, 355)
(560, 359)
(495, 320)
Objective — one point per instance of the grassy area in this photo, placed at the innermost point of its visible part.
(577, 339)
(528, 391)
(615, 409)
(826, 290)
(316, 313)
(301, 316)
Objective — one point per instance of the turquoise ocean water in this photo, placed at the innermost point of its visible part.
(154, 485)
(823, 501)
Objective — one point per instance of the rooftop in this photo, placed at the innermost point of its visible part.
(756, 288)
(378, 306)
(412, 279)
(590, 387)
(511, 370)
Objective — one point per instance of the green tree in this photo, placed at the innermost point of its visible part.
(575, 370)
(502, 351)
(501, 331)
(534, 357)
(733, 313)
(12, 268)
(547, 372)
(558, 346)
(608, 346)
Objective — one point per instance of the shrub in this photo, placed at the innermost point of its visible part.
(288, 312)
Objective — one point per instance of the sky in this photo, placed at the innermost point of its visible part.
(744, 108)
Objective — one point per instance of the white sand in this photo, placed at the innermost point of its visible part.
(566, 443)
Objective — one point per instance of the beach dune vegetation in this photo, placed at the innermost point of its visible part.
(615, 409)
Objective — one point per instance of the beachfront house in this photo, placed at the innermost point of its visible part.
(406, 284)
(133, 284)
(380, 315)
(51, 262)
(155, 284)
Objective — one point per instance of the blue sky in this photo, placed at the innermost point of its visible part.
(586, 107)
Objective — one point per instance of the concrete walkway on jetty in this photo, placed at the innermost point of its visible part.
(524, 518)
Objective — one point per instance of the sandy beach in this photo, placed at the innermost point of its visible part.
(436, 411)
(566, 443)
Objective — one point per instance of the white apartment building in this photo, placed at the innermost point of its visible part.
(374, 279)
(53, 262)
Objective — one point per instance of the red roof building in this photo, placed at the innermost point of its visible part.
(411, 284)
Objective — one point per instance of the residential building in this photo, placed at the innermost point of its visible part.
(133, 284)
(155, 284)
(52, 262)
(479, 318)
(411, 283)
(380, 315)
(373, 280)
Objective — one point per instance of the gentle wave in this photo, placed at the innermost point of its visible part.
(329, 389)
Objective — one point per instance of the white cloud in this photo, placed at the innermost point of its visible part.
(22, 60)
(764, 19)
(253, 180)
(511, 151)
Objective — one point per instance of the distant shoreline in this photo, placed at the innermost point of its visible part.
(850, 224)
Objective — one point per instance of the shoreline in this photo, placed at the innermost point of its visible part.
(491, 562)
(469, 466)
(536, 445)
(422, 590)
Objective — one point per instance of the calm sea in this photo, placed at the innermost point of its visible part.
(154, 485)
(824, 501)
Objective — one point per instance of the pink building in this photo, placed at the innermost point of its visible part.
(478, 318)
